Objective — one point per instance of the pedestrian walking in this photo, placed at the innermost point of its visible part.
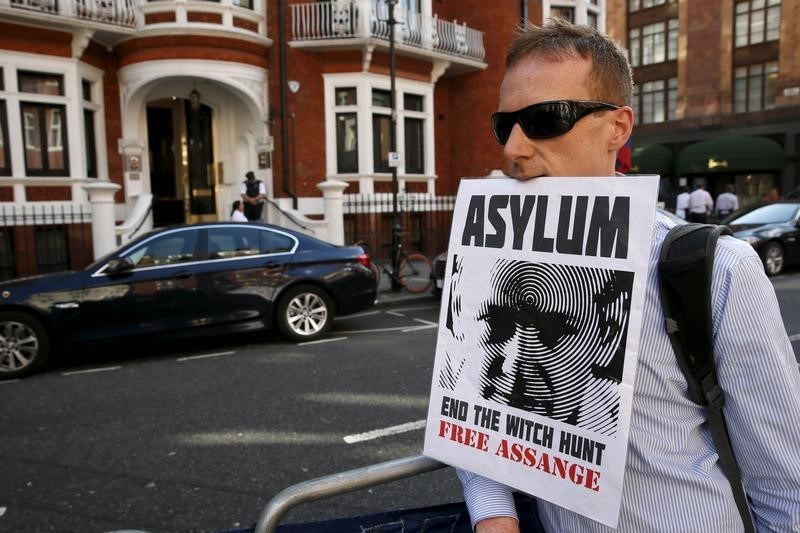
(727, 202)
(700, 205)
(682, 202)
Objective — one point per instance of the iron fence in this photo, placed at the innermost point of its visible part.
(424, 220)
(37, 239)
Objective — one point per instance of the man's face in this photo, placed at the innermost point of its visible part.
(586, 150)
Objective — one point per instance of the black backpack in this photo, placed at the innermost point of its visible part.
(684, 270)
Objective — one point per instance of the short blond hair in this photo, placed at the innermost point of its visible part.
(611, 76)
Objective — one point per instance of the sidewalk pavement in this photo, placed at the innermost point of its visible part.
(387, 296)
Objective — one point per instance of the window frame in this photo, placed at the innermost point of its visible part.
(768, 69)
(44, 147)
(366, 112)
(654, 43)
(663, 101)
(743, 33)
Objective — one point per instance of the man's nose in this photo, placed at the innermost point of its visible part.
(518, 145)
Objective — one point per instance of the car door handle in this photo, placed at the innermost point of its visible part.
(183, 274)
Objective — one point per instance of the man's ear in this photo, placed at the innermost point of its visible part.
(622, 126)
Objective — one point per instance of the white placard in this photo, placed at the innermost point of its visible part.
(395, 159)
(539, 335)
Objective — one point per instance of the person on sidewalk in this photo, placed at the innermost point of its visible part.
(727, 202)
(682, 203)
(237, 212)
(700, 205)
(673, 480)
(253, 195)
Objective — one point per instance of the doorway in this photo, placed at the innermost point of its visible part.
(182, 176)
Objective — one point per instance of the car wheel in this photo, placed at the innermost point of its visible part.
(773, 258)
(24, 345)
(305, 313)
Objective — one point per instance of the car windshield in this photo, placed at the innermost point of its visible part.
(768, 214)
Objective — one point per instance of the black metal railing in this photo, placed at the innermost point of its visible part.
(425, 221)
(37, 239)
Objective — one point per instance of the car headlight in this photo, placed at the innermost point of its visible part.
(751, 239)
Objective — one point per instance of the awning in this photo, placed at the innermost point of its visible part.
(652, 159)
(730, 154)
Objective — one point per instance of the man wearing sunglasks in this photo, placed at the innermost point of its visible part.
(565, 110)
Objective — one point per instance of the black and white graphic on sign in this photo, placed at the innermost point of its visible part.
(550, 338)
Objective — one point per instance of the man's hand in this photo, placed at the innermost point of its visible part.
(499, 524)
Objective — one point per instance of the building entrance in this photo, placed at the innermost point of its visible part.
(182, 171)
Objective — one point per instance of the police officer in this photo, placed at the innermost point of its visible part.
(253, 194)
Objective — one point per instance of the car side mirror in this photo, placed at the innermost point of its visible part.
(119, 265)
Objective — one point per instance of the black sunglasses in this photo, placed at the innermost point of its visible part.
(545, 119)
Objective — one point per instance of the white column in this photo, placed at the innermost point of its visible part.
(101, 198)
(332, 192)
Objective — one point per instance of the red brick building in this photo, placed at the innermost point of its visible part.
(173, 101)
(717, 92)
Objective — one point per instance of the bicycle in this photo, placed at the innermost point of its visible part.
(413, 273)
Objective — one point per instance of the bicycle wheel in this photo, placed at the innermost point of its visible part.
(415, 273)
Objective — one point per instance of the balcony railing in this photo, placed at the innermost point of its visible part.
(115, 12)
(369, 18)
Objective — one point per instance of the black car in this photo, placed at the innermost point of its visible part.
(773, 230)
(208, 278)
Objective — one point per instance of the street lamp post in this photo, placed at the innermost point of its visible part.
(396, 228)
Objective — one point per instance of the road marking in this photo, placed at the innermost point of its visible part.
(794, 337)
(428, 325)
(395, 313)
(91, 370)
(417, 308)
(203, 356)
(358, 315)
(380, 330)
(378, 433)
(332, 339)
(9, 381)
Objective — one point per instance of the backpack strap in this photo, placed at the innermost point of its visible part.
(685, 268)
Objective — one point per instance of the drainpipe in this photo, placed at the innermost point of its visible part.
(523, 9)
(284, 112)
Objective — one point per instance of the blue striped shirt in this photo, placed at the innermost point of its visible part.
(673, 479)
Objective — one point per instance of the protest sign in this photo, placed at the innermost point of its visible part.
(539, 333)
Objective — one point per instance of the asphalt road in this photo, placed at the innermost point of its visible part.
(198, 437)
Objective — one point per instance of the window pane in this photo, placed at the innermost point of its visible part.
(591, 20)
(740, 90)
(672, 99)
(228, 242)
(35, 82)
(633, 5)
(275, 243)
(173, 248)
(91, 143)
(634, 45)
(415, 146)
(346, 96)
(5, 159)
(381, 141)
(55, 138)
(413, 102)
(672, 40)
(740, 95)
(566, 13)
(381, 98)
(51, 249)
(346, 143)
(86, 89)
(6, 255)
(757, 27)
(741, 29)
(754, 96)
(32, 132)
(773, 23)
(769, 84)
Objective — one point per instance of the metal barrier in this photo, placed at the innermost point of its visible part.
(341, 483)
